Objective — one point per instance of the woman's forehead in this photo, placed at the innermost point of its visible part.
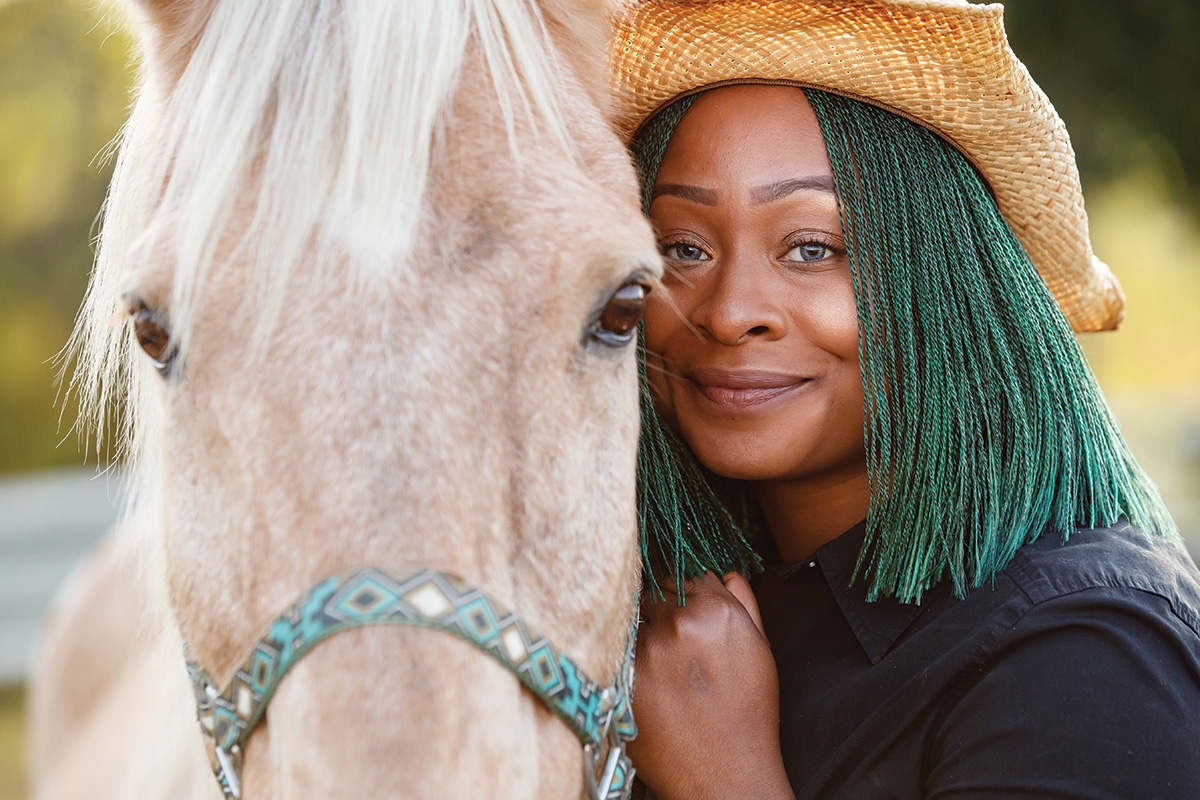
(750, 135)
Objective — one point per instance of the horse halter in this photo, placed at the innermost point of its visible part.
(600, 716)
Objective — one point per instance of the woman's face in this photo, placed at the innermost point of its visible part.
(758, 338)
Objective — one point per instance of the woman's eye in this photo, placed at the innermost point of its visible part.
(681, 251)
(808, 251)
(620, 316)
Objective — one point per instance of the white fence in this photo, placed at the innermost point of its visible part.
(48, 521)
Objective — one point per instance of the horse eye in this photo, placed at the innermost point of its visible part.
(154, 339)
(622, 313)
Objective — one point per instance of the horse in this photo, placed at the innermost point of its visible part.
(366, 280)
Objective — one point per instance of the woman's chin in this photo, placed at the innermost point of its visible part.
(772, 454)
(745, 461)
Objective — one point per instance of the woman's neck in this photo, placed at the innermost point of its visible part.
(804, 514)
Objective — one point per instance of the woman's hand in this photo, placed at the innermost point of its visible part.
(706, 698)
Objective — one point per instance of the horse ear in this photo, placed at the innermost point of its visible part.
(169, 29)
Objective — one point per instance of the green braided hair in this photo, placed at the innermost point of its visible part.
(984, 426)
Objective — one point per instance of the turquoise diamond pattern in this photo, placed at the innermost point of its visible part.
(262, 669)
(225, 721)
(479, 619)
(425, 598)
(364, 599)
(541, 666)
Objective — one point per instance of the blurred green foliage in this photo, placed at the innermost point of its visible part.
(1123, 75)
(64, 87)
(12, 743)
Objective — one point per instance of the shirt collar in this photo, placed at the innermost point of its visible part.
(876, 625)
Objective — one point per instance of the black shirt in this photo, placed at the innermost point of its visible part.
(1076, 675)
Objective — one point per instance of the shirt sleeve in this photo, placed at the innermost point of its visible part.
(1093, 695)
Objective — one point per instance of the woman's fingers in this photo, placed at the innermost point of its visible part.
(732, 586)
(733, 582)
(654, 608)
(739, 587)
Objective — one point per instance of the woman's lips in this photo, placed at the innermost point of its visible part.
(734, 390)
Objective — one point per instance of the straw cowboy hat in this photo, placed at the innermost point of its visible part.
(943, 63)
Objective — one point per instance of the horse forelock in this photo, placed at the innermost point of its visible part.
(297, 131)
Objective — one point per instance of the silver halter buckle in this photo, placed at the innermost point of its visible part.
(607, 776)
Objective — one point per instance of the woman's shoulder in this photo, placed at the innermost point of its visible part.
(1118, 563)
(1092, 681)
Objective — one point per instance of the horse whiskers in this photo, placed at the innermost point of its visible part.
(658, 395)
(662, 369)
(679, 276)
(666, 296)
(659, 368)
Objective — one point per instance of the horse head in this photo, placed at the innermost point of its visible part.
(374, 268)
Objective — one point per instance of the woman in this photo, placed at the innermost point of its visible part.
(972, 590)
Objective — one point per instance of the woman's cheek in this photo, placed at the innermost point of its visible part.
(827, 315)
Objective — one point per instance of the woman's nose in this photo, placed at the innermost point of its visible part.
(738, 304)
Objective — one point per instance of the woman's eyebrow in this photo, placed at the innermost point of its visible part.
(780, 189)
(697, 194)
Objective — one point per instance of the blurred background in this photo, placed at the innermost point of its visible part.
(1122, 73)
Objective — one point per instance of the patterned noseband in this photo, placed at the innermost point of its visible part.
(601, 717)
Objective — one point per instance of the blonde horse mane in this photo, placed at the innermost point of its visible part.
(298, 129)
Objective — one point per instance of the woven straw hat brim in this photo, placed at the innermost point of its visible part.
(944, 63)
